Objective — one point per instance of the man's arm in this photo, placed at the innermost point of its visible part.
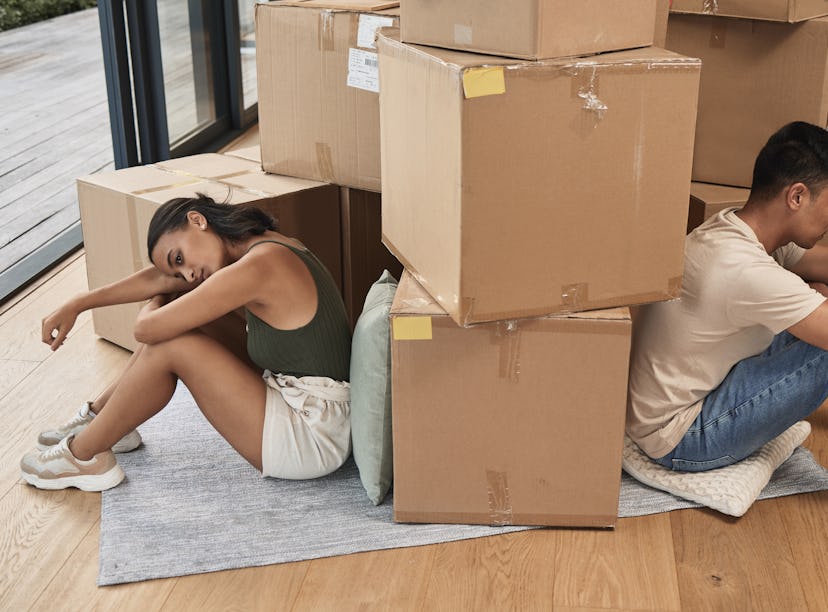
(813, 329)
(813, 266)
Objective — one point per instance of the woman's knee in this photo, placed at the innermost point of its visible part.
(185, 345)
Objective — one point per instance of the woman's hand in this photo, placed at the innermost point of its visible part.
(56, 326)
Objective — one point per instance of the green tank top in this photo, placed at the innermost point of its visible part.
(320, 348)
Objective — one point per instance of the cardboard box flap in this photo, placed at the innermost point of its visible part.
(209, 165)
(137, 179)
(412, 299)
(220, 192)
(774, 10)
(646, 56)
(365, 6)
(719, 194)
(271, 184)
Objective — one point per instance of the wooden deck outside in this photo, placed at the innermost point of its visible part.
(54, 128)
(55, 121)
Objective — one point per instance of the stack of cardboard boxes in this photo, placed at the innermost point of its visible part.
(319, 152)
(765, 64)
(534, 162)
(523, 192)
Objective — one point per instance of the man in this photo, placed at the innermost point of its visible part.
(743, 355)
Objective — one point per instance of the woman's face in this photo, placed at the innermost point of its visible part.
(192, 252)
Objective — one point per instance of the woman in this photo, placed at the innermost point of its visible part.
(293, 422)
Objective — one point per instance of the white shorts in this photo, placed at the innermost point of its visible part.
(307, 426)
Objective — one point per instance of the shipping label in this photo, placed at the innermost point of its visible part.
(363, 70)
(368, 26)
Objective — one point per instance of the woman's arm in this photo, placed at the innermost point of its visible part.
(136, 287)
(228, 289)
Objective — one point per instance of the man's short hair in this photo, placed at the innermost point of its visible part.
(796, 153)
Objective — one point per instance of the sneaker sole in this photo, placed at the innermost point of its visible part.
(100, 482)
(122, 446)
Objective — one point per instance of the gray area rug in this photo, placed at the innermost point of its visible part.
(190, 504)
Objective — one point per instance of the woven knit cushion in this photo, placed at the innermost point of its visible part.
(731, 489)
(371, 390)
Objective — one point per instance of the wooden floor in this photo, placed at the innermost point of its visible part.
(774, 558)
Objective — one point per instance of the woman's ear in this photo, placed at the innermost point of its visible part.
(196, 219)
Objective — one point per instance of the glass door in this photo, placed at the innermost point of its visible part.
(181, 75)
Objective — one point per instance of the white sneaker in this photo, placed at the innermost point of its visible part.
(78, 423)
(58, 468)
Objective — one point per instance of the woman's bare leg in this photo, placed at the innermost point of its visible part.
(229, 330)
(99, 403)
(229, 393)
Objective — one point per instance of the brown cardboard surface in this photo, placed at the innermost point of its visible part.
(662, 14)
(529, 29)
(774, 10)
(511, 422)
(566, 192)
(253, 153)
(312, 122)
(347, 5)
(706, 200)
(116, 208)
(757, 76)
(364, 257)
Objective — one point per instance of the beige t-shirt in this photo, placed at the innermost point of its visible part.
(735, 298)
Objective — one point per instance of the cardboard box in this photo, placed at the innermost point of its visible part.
(253, 153)
(706, 200)
(662, 14)
(317, 83)
(507, 423)
(758, 76)
(364, 257)
(546, 187)
(116, 208)
(773, 10)
(529, 29)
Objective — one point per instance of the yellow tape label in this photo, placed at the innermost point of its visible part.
(412, 328)
(483, 82)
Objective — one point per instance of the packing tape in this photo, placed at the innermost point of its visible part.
(175, 185)
(674, 287)
(326, 30)
(411, 328)
(718, 33)
(324, 162)
(462, 34)
(575, 295)
(132, 221)
(484, 81)
(500, 502)
(506, 335)
(710, 7)
(585, 86)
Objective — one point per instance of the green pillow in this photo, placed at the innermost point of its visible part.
(371, 390)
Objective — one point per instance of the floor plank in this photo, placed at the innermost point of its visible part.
(74, 585)
(630, 568)
(383, 580)
(273, 587)
(726, 563)
(515, 571)
(41, 529)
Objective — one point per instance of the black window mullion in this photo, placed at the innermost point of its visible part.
(148, 79)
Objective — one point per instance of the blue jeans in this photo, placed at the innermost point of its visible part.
(760, 398)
